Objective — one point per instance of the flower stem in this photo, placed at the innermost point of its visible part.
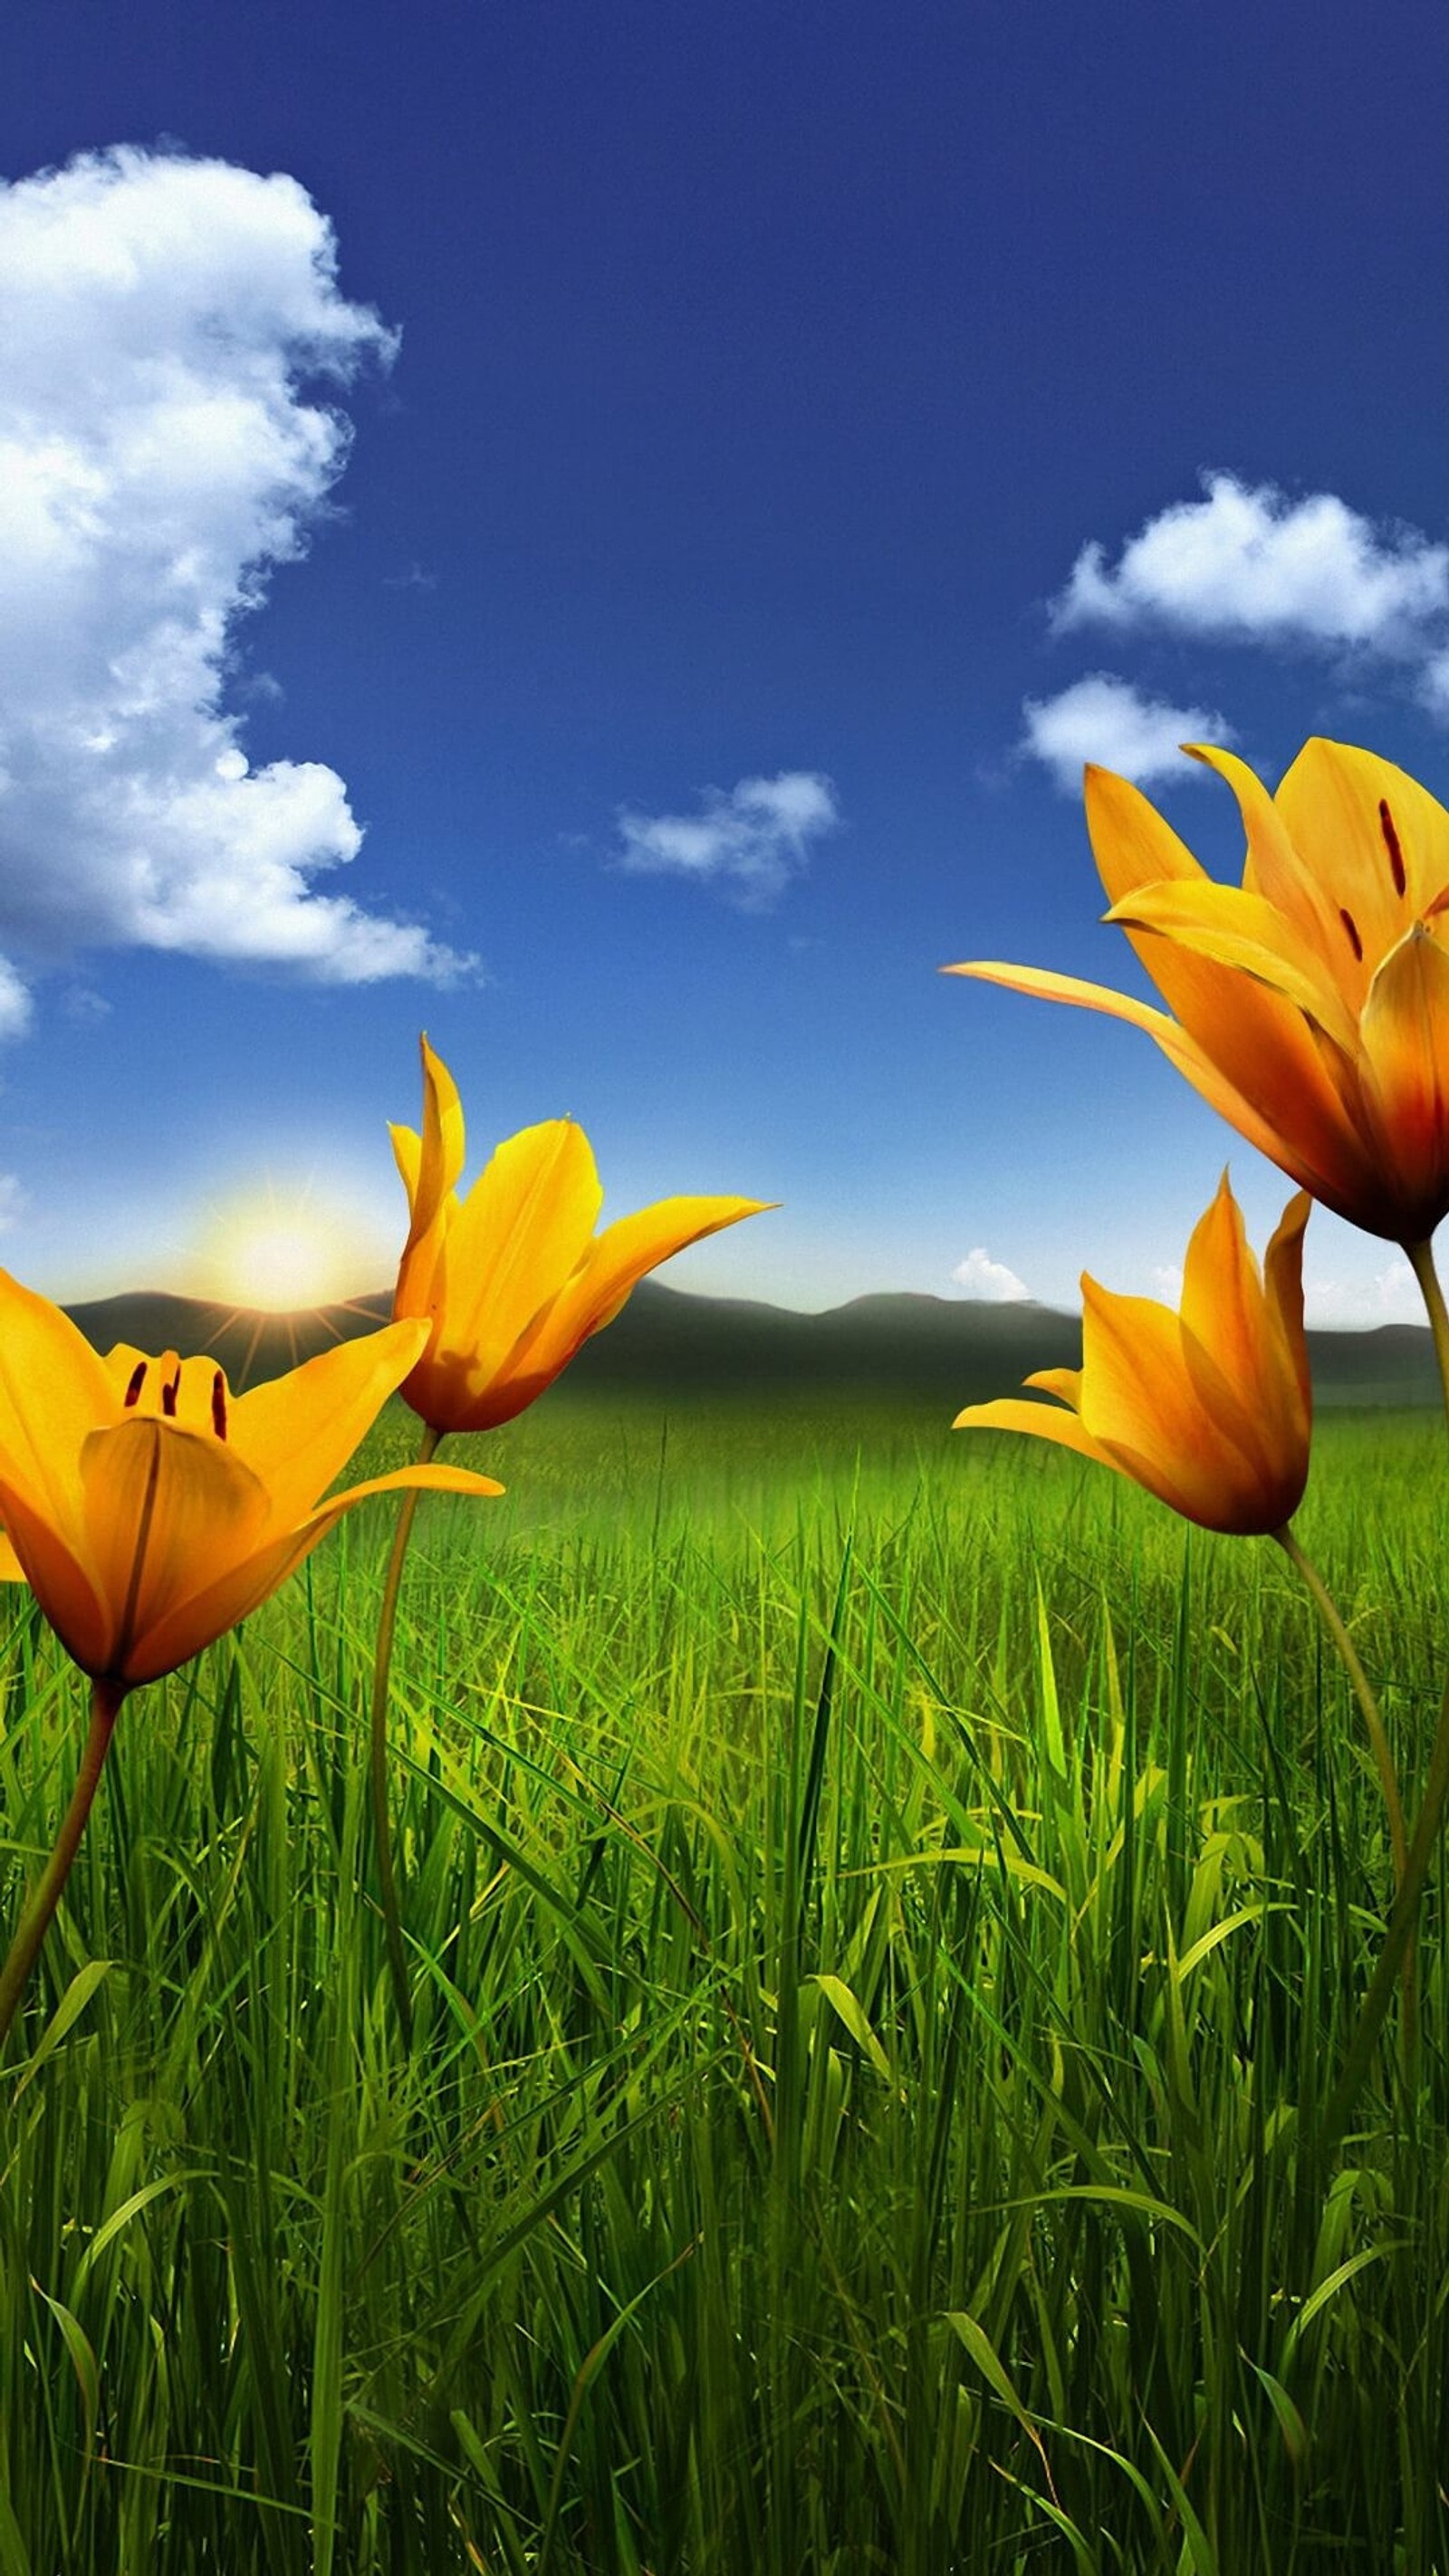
(1378, 1745)
(106, 1698)
(1429, 1821)
(382, 1838)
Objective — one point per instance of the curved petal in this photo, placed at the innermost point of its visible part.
(1139, 1396)
(1244, 932)
(53, 1565)
(244, 1586)
(430, 1175)
(1275, 869)
(614, 1265)
(1227, 1342)
(1042, 1421)
(11, 1569)
(297, 1432)
(407, 1153)
(523, 1228)
(1132, 843)
(1283, 1286)
(166, 1511)
(1376, 841)
(1405, 1034)
(1062, 1382)
(53, 1390)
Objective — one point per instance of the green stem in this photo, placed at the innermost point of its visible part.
(1430, 1819)
(382, 1837)
(1378, 1744)
(106, 1698)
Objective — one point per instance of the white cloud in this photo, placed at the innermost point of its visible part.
(13, 1201)
(1249, 564)
(1167, 1284)
(160, 318)
(1388, 1296)
(1104, 719)
(980, 1276)
(755, 838)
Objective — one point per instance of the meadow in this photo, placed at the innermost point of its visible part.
(884, 1912)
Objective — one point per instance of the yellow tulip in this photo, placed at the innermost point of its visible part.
(1210, 1409)
(148, 1508)
(1312, 1001)
(512, 1279)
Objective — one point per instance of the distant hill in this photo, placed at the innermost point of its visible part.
(941, 1351)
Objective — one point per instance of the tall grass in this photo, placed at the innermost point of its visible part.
(884, 1914)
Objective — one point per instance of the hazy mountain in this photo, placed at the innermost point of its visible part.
(945, 1351)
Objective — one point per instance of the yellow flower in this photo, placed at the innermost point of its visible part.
(150, 1510)
(512, 1279)
(1210, 1410)
(1312, 1001)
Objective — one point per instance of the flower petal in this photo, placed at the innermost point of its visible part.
(1233, 1343)
(243, 1587)
(1139, 1401)
(166, 1511)
(612, 1267)
(297, 1432)
(1275, 869)
(1283, 1287)
(53, 1389)
(522, 1229)
(1244, 932)
(1042, 1421)
(1376, 841)
(1405, 1037)
(430, 1166)
(1132, 843)
(53, 1566)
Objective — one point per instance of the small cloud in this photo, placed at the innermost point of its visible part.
(753, 839)
(1248, 564)
(1105, 720)
(1389, 1296)
(413, 577)
(1167, 1283)
(980, 1276)
(13, 1201)
(83, 1004)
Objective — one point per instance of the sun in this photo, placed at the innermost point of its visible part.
(283, 1249)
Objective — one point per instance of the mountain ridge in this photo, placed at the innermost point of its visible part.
(671, 1342)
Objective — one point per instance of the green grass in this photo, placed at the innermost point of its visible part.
(884, 1911)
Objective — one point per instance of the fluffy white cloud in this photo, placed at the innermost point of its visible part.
(980, 1276)
(160, 320)
(755, 838)
(1249, 564)
(1104, 719)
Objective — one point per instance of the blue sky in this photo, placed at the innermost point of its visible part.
(607, 534)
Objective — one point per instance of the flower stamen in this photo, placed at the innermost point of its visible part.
(218, 1405)
(138, 1380)
(1351, 927)
(1391, 844)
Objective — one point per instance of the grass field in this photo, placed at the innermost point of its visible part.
(884, 1912)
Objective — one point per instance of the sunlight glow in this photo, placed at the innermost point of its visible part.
(281, 1249)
